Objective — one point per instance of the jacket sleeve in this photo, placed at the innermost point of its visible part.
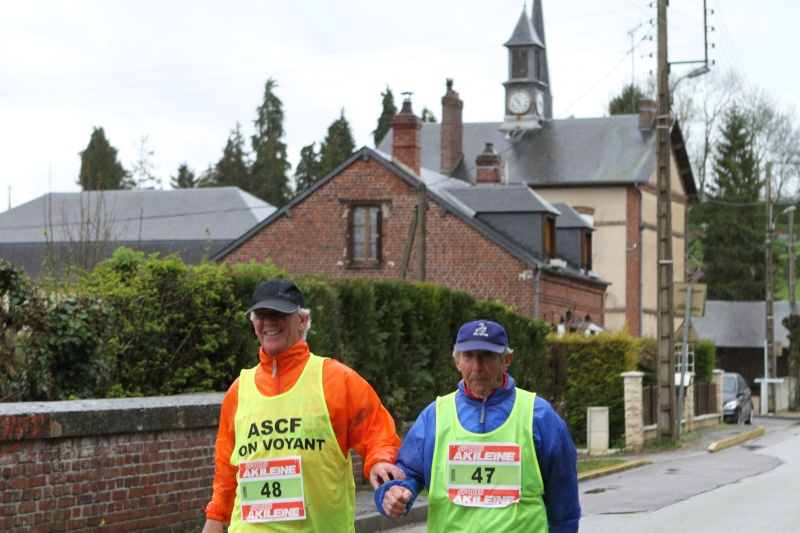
(415, 458)
(558, 464)
(224, 486)
(358, 416)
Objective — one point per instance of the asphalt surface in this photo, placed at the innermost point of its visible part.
(694, 445)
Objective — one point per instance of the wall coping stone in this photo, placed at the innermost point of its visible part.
(82, 418)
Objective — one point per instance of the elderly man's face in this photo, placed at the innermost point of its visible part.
(277, 331)
(482, 371)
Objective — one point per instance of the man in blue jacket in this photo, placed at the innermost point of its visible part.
(493, 457)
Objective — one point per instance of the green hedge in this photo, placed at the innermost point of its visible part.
(595, 365)
(140, 326)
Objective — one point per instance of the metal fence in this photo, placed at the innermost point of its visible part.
(705, 401)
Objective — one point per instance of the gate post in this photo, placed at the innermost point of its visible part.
(634, 419)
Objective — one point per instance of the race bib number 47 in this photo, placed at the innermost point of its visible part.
(271, 490)
(484, 475)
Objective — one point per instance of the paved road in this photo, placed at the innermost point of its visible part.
(751, 487)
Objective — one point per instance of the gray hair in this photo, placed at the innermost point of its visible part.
(301, 312)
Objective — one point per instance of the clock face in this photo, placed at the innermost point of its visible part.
(540, 102)
(519, 102)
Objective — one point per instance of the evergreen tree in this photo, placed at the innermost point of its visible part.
(626, 103)
(185, 178)
(269, 173)
(387, 115)
(208, 178)
(307, 172)
(233, 168)
(337, 146)
(427, 115)
(734, 239)
(100, 169)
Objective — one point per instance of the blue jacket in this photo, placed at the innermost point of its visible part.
(555, 451)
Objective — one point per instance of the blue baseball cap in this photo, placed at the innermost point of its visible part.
(482, 335)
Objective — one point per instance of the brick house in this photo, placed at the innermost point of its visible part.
(604, 167)
(490, 240)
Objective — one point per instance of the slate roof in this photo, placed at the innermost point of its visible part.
(524, 33)
(193, 222)
(569, 218)
(503, 199)
(740, 324)
(565, 152)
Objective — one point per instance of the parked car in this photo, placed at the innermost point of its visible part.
(737, 399)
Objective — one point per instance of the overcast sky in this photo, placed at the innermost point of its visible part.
(183, 73)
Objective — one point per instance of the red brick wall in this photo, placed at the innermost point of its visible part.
(139, 464)
(314, 241)
(633, 261)
(134, 482)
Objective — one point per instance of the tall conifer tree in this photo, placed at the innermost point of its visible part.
(307, 172)
(232, 170)
(100, 168)
(270, 181)
(627, 102)
(734, 237)
(387, 115)
(337, 146)
(185, 179)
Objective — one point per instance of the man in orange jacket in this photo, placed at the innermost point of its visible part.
(286, 429)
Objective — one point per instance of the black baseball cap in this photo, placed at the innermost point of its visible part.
(277, 294)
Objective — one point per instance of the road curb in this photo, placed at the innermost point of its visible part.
(627, 465)
(736, 439)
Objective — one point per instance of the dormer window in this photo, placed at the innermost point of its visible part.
(549, 237)
(586, 250)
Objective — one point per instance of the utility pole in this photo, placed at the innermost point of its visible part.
(770, 313)
(666, 322)
(791, 263)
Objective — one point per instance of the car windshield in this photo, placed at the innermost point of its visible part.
(728, 384)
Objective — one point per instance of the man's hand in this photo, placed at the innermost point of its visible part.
(395, 501)
(380, 473)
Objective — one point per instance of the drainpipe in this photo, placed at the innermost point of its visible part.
(536, 293)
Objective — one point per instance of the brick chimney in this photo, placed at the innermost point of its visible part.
(647, 114)
(489, 166)
(452, 130)
(406, 144)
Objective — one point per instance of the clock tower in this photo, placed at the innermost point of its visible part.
(527, 92)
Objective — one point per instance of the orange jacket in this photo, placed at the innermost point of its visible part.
(359, 419)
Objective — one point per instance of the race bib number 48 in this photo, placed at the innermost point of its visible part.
(271, 490)
(484, 475)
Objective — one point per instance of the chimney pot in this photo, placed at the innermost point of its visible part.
(647, 114)
(406, 138)
(489, 166)
(452, 150)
